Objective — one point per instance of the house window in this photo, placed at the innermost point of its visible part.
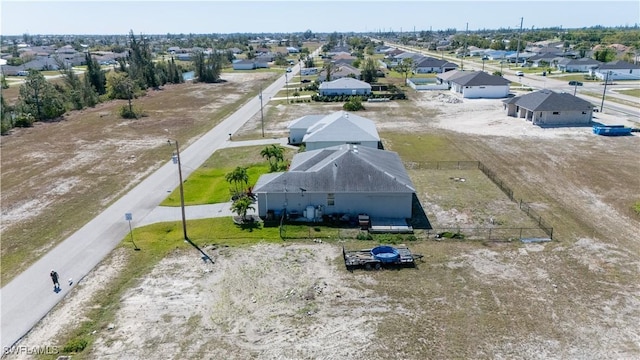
(556, 113)
(482, 87)
(331, 199)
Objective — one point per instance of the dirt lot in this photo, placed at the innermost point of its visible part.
(577, 297)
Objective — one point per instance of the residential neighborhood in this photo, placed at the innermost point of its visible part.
(406, 192)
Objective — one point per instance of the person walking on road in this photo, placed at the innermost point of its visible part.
(54, 277)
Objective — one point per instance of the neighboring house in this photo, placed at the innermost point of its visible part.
(346, 179)
(243, 65)
(578, 65)
(548, 108)
(341, 71)
(338, 128)
(543, 60)
(256, 63)
(479, 84)
(432, 65)
(292, 50)
(344, 86)
(617, 70)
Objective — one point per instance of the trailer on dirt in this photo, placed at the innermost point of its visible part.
(379, 257)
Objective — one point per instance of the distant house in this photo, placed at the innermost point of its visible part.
(243, 65)
(432, 65)
(548, 108)
(578, 65)
(346, 179)
(543, 60)
(321, 131)
(292, 50)
(344, 86)
(617, 70)
(478, 84)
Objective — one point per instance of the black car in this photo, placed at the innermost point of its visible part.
(575, 83)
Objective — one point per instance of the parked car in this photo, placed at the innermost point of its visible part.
(22, 73)
(519, 73)
(575, 83)
(288, 69)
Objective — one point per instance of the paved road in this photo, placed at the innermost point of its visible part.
(30, 296)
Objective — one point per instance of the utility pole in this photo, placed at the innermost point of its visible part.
(176, 160)
(261, 114)
(606, 80)
(518, 48)
(464, 48)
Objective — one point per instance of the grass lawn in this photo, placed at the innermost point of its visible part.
(630, 92)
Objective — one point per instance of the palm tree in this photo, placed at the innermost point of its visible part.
(274, 154)
(238, 177)
(241, 206)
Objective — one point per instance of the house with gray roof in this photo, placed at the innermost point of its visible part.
(426, 65)
(617, 70)
(479, 84)
(548, 108)
(578, 65)
(344, 86)
(345, 179)
(338, 128)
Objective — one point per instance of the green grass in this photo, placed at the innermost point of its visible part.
(630, 92)
(423, 147)
(207, 185)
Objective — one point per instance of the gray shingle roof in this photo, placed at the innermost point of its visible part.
(479, 78)
(547, 100)
(342, 126)
(305, 122)
(340, 169)
(618, 64)
(345, 83)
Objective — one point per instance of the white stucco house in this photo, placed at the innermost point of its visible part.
(344, 86)
(548, 108)
(346, 179)
(477, 84)
(338, 128)
(617, 70)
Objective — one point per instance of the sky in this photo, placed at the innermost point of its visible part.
(95, 17)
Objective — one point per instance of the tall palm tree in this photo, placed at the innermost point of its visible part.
(238, 178)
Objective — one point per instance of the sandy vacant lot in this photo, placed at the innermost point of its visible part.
(574, 298)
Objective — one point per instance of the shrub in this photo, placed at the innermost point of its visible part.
(24, 120)
(130, 113)
(75, 345)
(364, 236)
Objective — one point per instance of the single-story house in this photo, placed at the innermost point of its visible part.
(543, 60)
(345, 179)
(433, 65)
(344, 86)
(292, 50)
(617, 70)
(479, 84)
(243, 65)
(340, 127)
(578, 65)
(340, 71)
(548, 108)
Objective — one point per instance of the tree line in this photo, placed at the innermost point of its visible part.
(41, 100)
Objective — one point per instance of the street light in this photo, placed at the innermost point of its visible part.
(176, 160)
